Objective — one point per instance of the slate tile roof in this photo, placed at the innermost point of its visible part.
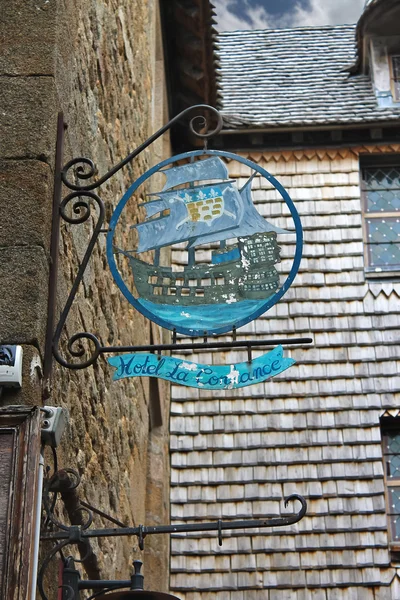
(294, 77)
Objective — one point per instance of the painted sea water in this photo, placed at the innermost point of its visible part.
(204, 317)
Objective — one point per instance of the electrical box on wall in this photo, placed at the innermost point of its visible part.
(11, 366)
(53, 425)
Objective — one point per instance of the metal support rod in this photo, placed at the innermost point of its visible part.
(206, 345)
(218, 526)
(93, 584)
(54, 250)
(76, 349)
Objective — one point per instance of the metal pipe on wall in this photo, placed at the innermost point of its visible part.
(35, 558)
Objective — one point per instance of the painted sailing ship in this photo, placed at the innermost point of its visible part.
(199, 205)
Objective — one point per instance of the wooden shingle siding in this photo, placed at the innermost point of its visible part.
(313, 430)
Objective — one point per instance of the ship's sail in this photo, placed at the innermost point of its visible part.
(194, 212)
(250, 223)
(154, 207)
(201, 170)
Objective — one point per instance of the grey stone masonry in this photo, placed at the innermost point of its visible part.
(101, 64)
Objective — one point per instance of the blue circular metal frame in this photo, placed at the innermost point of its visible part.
(252, 316)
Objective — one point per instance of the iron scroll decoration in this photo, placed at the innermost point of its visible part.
(78, 206)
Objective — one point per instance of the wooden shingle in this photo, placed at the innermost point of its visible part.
(313, 430)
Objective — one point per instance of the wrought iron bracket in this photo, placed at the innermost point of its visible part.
(79, 535)
(84, 348)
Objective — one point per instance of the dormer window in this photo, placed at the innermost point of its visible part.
(395, 76)
(378, 41)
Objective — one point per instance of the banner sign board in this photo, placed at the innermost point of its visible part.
(206, 377)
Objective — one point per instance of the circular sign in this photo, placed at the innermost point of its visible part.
(225, 270)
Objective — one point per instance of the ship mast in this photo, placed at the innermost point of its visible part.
(191, 251)
(157, 257)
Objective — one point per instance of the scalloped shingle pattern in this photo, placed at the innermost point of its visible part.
(294, 77)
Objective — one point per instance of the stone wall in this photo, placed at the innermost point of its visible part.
(100, 62)
(313, 430)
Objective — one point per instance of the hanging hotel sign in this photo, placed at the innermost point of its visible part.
(228, 256)
(228, 251)
(206, 377)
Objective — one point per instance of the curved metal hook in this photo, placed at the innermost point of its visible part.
(303, 503)
(78, 205)
(76, 349)
(61, 480)
(202, 122)
(89, 520)
(81, 163)
(75, 474)
(50, 514)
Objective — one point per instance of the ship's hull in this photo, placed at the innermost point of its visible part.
(252, 276)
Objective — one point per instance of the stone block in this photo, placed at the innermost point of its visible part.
(25, 203)
(28, 39)
(27, 117)
(23, 301)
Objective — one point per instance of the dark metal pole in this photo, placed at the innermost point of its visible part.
(99, 584)
(205, 345)
(53, 266)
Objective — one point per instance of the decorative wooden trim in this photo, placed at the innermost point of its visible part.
(320, 153)
(19, 462)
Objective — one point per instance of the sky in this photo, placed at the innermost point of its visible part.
(275, 14)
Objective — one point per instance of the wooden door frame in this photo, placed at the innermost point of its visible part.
(22, 425)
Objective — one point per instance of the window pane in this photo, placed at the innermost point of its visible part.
(394, 512)
(396, 76)
(382, 189)
(393, 466)
(392, 443)
(383, 237)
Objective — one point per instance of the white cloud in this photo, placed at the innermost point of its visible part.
(257, 18)
(321, 12)
(325, 12)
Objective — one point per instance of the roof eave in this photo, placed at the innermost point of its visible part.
(328, 126)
